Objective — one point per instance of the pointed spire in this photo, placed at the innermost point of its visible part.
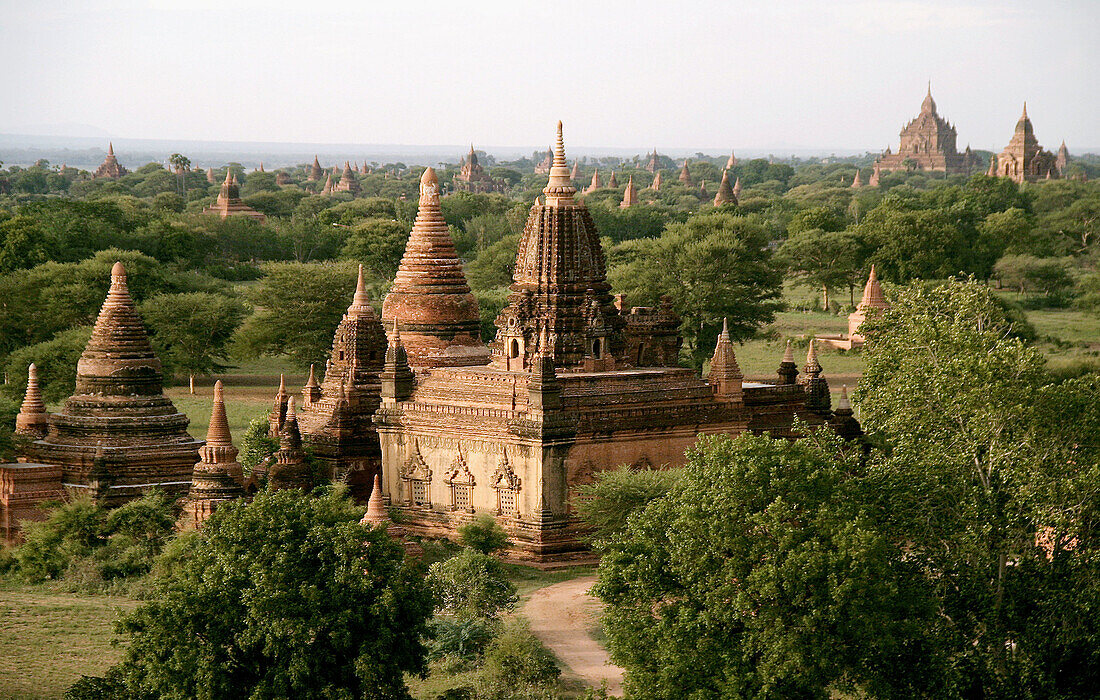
(737, 189)
(559, 187)
(291, 436)
(576, 173)
(857, 181)
(261, 166)
(724, 374)
(731, 162)
(360, 303)
(812, 368)
(992, 172)
(376, 507)
(229, 176)
(312, 381)
(725, 192)
(612, 181)
(630, 196)
(656, 186)
(110, 148)
(788, 354)
(282, 385)
(788, 370)
(685, 174)
(842, 403)
(217, 434)
(32, 418)
(595, 181)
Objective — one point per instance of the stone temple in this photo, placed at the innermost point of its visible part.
(1024, 160)
(928, 143)
(472, 177)
(110, 167)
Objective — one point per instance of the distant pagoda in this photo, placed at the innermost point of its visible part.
(315, 171)
(1023, 159)
(724, 195)
(218, 476)
(473, 178)
(110, 167)
(630, 195)
(437, 314)
(544, 165)
(928, 143)
(229, 201)
(654, 162)
(685, 175)
(348, 181)
(118, 435)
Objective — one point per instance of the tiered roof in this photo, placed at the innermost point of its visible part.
(724, 373)
(315, 171)
(430, 300)
(348, 181)
(229, 201)
(32, 419)
(110, 167)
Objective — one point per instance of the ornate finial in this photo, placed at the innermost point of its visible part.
(360, 302)
(118, 273)
(559, 151)
(429, 177)
(217, 434)
(110, 148)
(813, 367)
(559, 187)
(229, 176)
(312, 381)
(291, 415)
(725, 334)
(788, 354)
(376, 507)
(282, 385)
(1024, 115)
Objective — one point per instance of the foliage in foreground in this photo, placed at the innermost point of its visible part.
(286, 596)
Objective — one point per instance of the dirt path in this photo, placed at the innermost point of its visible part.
(561, 616)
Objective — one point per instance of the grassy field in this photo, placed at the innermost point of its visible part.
(48, 640)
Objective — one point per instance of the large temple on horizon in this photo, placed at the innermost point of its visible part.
(1024, 160)
(415, 405)
(928, 143)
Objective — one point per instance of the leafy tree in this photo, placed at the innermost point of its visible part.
(22, 243)
(56, 362)
(714, 266)
(992, 478)
(298, 309)
(483, 534)
(824, 259)
(192, 331)
(378, 244)
(517, 666)
(308, 240)
(606, 504)
(1029, 274)
(257, 445)
(286, 596)
(492, 267)
(472, 585)
(762, 574)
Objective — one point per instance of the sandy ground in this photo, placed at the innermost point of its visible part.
(561, 616)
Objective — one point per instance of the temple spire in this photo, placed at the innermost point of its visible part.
(559, 188)
(360, 303)
(217, 476)
(376, 507)
(725, 192)
(724, 374)
(788, 370)
(217, 434)
(630, 196)
(110, 148)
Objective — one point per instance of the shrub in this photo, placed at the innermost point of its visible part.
(471, 585)
(256, 445)
(517, 665)
(459, 638)
(484, 534)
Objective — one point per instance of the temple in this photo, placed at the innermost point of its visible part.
(229, 201)
(873, 302)
(685, 175)
(927, 143)
(118, 435)
(110, 167)
(315, 171)
(543, 166)
(473, 178)
(348, 181)
(1023, 159)
(575, 384)
(653, 164)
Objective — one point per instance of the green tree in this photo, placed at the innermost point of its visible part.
(606, 504)
(181, 164)
(714, 266)
(762, 574)
(472, 585)
(56, 362)
(286, 596)
(824, 259)
(378, 244)
(298, 307)
(992, 479)
(192, 331)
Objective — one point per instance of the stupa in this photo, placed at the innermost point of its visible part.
(656, 184)
(437, 313)
(724, 195)
(857, 181)
(731, 162)
(613, 182)
(685, 175)
(229, 201)
(595, 184)
(120, 411)
(218, 476)
(630, 195)
(544, 164)
(315, 172)
(473, 178)
(653, 164)
(873, 302)
(575, 175)
(289, 468)
(110, 167)
(32, 419)
(737, 189)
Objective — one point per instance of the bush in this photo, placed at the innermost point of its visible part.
(256, 445)
(606, 503)
(484, 534)
(459, 639)
(517, 665)
(471, 585)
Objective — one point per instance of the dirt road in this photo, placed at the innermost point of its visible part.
(561, 616)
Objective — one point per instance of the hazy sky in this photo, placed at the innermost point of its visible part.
(671, 74)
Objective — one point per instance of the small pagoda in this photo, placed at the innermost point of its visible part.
(1023, 159)
(630, 195)
(229, 201)
(348, 181)
(110, 167)
(218, 476)
(439, 320)
(873, 302)
(725, 194)
(473, 178)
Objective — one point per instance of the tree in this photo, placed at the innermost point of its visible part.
(606, 504)
(298, 309)
(912, 243)
(191, 331)
(483, 534)
(472, 585)
(992, 479)
(762, 574)
(1029, 274)
(286, 596)
(181, 164)
(714, 266)
(378, 244)
(56, 362)
(824, 259)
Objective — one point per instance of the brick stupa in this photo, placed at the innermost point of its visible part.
(438, 315)
(873, 302)
(338, 424)
(119, 410)
(725, 194)
(473, 178)
(110, 167)
(1023, 159)
(32, 419)
(218, 475)
(348, 181)
(653, 164)
(630, 195)
(315, 171)
(229, 201)
(685, 175)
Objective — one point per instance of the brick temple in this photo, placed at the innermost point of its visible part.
(110, 167)
(473, 178)
(928, 143)
(1024, 160)
(229, 202)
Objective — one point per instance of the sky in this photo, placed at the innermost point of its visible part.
(675, 74)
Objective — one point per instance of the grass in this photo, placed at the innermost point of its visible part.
(48, 640)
